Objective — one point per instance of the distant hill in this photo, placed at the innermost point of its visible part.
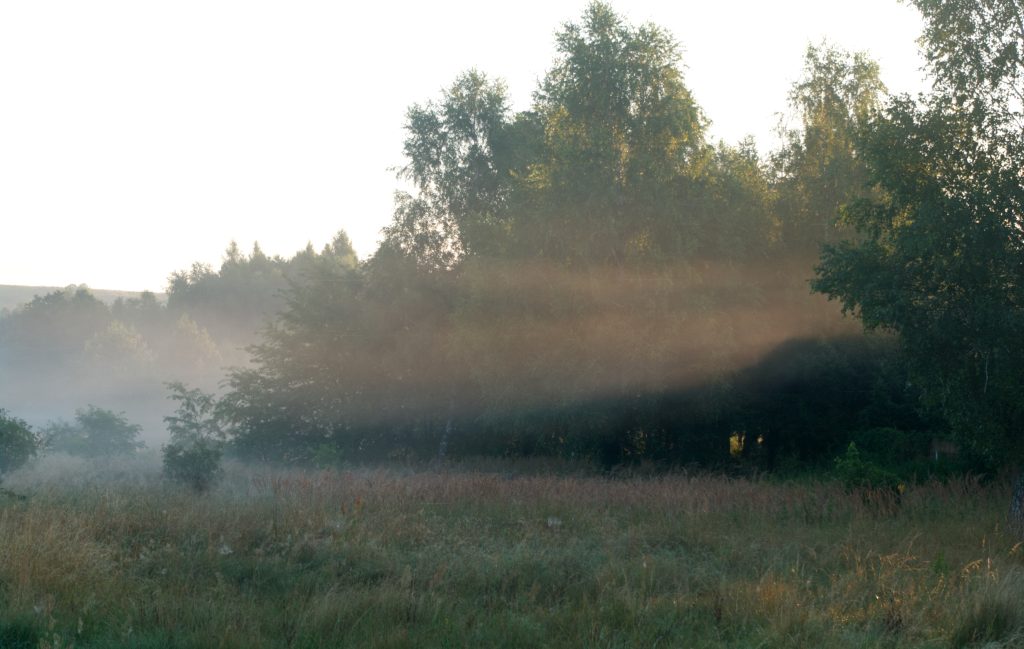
(14, 296)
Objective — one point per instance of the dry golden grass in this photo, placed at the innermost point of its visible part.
(400, 558)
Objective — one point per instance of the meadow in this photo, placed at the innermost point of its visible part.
(499, 556)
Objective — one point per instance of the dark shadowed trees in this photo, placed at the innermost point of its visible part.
(939, 259)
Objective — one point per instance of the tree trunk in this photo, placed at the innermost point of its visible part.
(1017, 508)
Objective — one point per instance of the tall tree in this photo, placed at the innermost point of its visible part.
(454, 152)
(976, 51)
(940, 261)
(819, 169)
(620, 131)
(592, 172)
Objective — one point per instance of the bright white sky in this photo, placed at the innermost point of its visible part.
(137, 137)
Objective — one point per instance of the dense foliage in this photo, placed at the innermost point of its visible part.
(95, 432)
(17, 443)
(938, 257)
(592, 279)
(193, 456)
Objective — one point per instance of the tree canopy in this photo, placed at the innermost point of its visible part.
(939, 259)
(588, 277)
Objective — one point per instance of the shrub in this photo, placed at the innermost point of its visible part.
(893, 447)
(193, 456)
(17, 443)
(855, 471)
(95, 433)
(195, 464)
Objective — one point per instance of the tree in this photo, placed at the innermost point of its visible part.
(119, 348)
(556, 273)
(940, 265)
(300, 381)
(145, 313)
(95, 433)
(193, 456)
(17, 443)
(976, 52)
(53, 329)
(233, 302)
(621, 132)
(356, 359)
(591, 173)
(940, 259)
(454, 152)
(781, 402)
(818, 168)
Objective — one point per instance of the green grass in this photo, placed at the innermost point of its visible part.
(379, 558)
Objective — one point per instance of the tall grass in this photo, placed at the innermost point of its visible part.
(400, 558)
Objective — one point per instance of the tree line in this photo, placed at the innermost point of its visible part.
(591, 278)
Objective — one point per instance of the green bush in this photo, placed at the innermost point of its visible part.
(95, 433)
(17, 443)
(893, 447)
(193, 456)
(857, 472)
(195, 464)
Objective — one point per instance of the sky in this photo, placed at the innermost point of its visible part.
(138, 137)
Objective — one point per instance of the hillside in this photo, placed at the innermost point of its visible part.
(13, 296)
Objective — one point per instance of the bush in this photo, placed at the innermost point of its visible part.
(194, 453)
(95, 433)
(857, 472)
(195, 464)
(892, 447)
(17, 443)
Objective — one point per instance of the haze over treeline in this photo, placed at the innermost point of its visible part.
(593, 279)
(68, 348)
